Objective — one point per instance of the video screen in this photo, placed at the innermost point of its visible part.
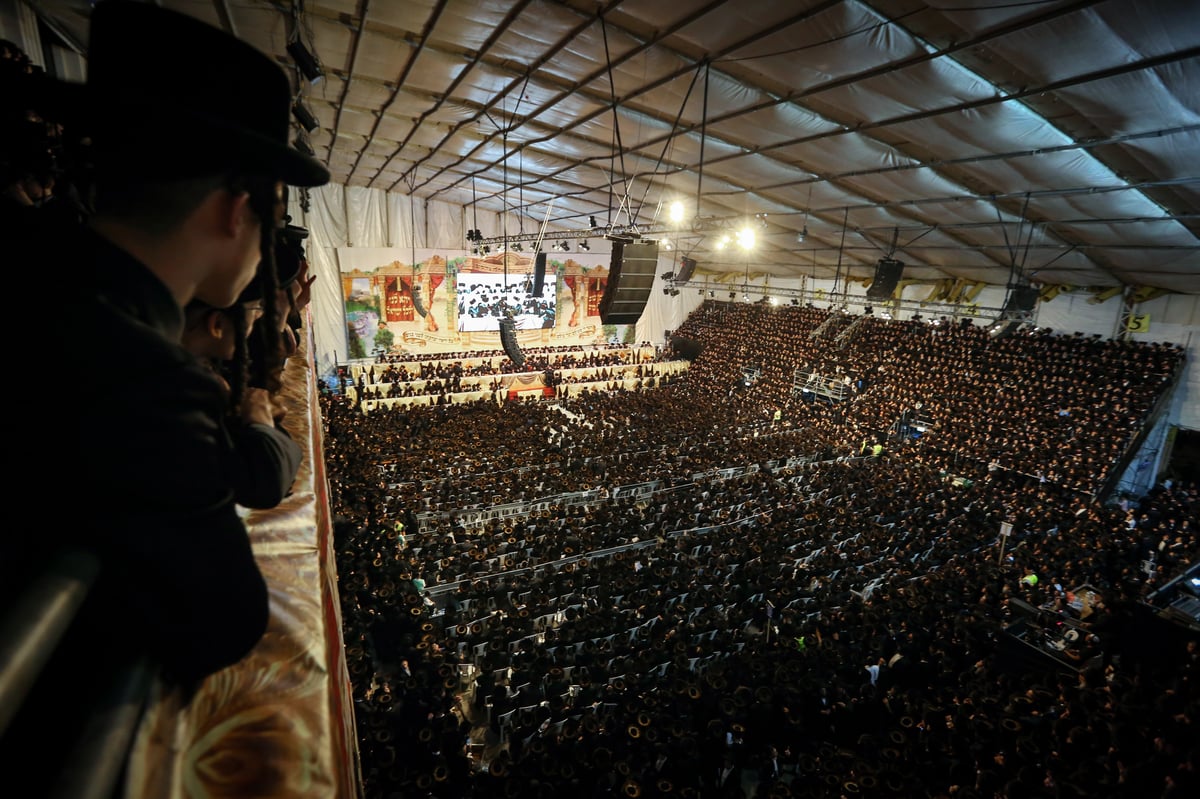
(485, 299)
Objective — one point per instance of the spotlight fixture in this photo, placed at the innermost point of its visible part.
(868, 310)
(535, 247)
(306, 61)
(733, 295)
(301, 144)
(803, 234)
(584, 246)
(486, 249)
(562, 245)
(712, 293)
(592, 222)
(795, 301)
(517, 247)
(474, 235)
(304, 116)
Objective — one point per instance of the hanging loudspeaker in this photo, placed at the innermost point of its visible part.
(508, 338)
(630, 277)
(417, 302)
(1021, 300)
(539, 273)
(887, 275)
(686, 267)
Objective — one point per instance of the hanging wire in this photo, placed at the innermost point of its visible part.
(703, 136)
(412, 237)
(504, 206)
(838, 274)
(474, 213)
(620, 148)
(667, 144)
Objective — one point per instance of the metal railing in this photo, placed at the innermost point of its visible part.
(33, 631)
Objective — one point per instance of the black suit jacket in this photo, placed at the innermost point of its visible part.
(143, 451)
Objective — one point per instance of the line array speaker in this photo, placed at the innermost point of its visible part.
(630, 278)
(887, 276)
(687, 266)
(508, 338)
(1021, 299)
(539, 273)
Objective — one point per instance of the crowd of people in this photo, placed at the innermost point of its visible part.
(674, 592)
(475, 373)
(692, 592)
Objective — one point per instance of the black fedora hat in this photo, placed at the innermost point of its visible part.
(173, 97)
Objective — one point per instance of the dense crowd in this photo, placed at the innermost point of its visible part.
(690, 594)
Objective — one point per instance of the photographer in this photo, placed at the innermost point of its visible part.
(188, 198)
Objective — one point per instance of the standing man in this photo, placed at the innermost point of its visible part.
(190, 129)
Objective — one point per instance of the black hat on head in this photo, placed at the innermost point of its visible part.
(174, 97)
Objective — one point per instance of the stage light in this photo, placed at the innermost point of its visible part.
(562, 245)
(301, 144)
(486, 249)
(803, 234)
(592, 222)
(721, 242)
(868, 310)
(676, 212)
(745, 238)
(584, 246)
(517, 247)
(306, 61)
(304, 116)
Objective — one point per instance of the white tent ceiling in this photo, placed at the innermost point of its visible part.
(1057, 141)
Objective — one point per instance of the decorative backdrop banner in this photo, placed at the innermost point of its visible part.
(451, 301)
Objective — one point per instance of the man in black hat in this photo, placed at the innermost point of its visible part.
(190, 131)
(262, 457)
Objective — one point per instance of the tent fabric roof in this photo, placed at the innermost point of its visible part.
(1056, 142)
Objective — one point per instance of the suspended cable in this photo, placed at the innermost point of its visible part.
(620, 148)
(667, 144)
(838, 274)
(703, 136)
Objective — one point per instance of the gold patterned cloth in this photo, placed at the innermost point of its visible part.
(279, 723)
